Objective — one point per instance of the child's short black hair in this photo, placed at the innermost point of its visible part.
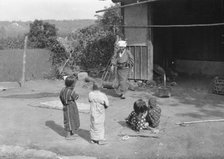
(140, 106)
(96, 86)
(70, 80)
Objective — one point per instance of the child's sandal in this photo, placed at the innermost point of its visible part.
(102, 142)
(94, 142)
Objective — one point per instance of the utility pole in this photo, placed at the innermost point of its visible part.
(24, 62)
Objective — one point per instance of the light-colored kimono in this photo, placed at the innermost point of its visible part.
(98, 101)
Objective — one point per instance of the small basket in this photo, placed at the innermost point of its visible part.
(164, 91)
(218, 85)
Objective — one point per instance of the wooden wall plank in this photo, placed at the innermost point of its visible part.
(141, 70)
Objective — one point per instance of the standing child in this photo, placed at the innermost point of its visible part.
(98, 103)
(154, 113)
(68, 98)
(137, 118)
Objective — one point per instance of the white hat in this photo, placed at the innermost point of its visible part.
(122, 43)
(64, 77)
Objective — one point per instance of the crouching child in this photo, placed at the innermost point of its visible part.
(154, 113)
(137, 118)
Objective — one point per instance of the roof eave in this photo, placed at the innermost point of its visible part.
(126, 1)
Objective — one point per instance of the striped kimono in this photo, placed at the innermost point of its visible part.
(71, 114)
(98, 103)
(153, 116)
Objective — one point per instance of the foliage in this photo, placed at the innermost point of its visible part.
(40, 33)
(89, 47)
(112, 20)
(44, 35)
(100, 39)
(12, 43)
(65, 27)
(93, 46)
(58, 55)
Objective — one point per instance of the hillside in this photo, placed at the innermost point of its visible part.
(18, 28)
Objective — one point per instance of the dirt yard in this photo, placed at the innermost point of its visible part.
(42, 129)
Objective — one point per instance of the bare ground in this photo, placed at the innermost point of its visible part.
(42, 129)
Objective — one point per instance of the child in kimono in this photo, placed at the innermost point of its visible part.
(154, 113)
(68, 98)
(137, 118)
(98, 104)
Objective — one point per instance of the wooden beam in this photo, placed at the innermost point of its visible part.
(222, 10)
(127, 5)
(200, 121)
(170, 26)
(124, 1)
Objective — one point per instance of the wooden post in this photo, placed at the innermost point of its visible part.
(24, 62)
(150, 44)
(200, 121)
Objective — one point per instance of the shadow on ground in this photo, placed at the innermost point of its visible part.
(33, 95)
(123, 123)
(110, 92)
(55, 127)
(60, 130)
(196, 94)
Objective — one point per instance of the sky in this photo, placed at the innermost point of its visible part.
(25, 10)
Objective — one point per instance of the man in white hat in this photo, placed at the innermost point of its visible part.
(124, 61)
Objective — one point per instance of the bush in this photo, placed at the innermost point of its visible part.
(95, 47)
(41, 33)
(12, 42)
(90, 47)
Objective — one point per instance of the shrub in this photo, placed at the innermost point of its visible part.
(12, 42)
(95, 47)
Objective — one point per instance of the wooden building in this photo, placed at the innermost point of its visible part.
(189, 32)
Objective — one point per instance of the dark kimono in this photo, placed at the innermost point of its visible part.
(123, 63)
(71, 114)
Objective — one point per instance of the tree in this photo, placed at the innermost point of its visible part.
(95, 46)
(111, 20)
(2, 32)
(12, 42)
(90, 47)
(40, 33)
(96, 42)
